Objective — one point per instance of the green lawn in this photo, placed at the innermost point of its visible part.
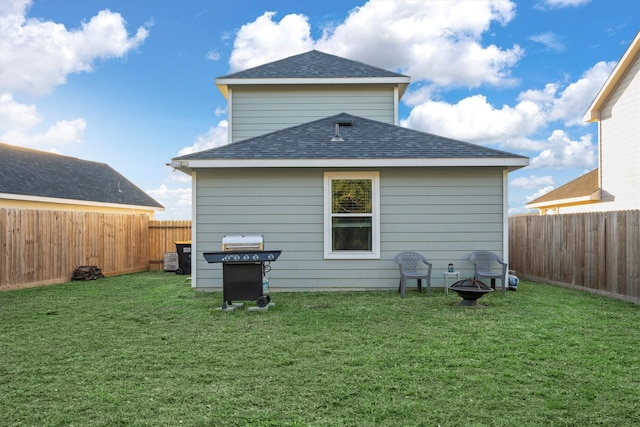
(146, 350)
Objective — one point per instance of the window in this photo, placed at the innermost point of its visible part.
(351, 204)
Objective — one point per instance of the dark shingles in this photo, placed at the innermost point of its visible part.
(365, 139)
(40, 174)
(312, 65)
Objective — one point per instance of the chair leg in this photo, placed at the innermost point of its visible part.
(419, 285)
(403, 285)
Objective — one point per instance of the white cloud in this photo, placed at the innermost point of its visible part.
(532, 182)
(19, 126)
(215, 137)
(213, 55)
(474, 119)
(265, 40)
(576, 97)
(177, 202)
(14, 7)
(539, 193)
(15, 116)
(564, 152)
(561, 3)
(439, 42)
(178, 177)
(550, 40)
(38, 55)
(434, 41)
(62, 133)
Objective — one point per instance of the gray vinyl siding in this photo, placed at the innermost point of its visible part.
(444, 213)
(260, 110)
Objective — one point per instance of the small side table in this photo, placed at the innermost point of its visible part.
(447, 275)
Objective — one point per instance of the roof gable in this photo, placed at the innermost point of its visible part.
(359, 139)
(36, 173)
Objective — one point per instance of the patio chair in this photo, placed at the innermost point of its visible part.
(409, 262)
(489, 265)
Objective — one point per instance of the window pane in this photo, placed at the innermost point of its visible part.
(351, 196)
(351, 233)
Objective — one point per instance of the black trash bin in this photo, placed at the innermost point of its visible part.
(184, 257)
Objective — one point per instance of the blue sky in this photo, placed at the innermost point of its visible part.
(131, 83)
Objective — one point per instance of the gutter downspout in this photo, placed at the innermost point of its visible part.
(505, 215)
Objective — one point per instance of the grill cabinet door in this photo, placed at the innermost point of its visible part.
(241, 281)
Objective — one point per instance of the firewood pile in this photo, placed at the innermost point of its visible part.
(87, 272)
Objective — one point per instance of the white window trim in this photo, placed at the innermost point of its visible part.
(375, 232)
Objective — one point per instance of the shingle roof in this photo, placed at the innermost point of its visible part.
(583, 186)
(363, 139)
(40, 174)
(312, 64)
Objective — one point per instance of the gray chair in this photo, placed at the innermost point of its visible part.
(409, 263)
(489, 265)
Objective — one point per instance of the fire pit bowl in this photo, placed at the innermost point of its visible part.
(470, 290)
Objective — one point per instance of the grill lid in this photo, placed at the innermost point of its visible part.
(243, 242)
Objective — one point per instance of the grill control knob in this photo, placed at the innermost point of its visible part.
(245, 258)
(256, 257)
(236, 257)
(271, 257)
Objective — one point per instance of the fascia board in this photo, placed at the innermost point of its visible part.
(510, 163)
(403, 82)
(593, 112)
(315, 81)
(564, 202)
(56, 200)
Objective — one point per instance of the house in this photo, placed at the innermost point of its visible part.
(32, 179)
(318, 165)
(616, 109)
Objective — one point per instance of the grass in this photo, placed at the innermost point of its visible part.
(146, 350)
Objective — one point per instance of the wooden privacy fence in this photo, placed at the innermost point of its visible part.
(598, 251)
(162, 238)
(40, 247)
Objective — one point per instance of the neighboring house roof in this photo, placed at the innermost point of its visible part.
(581, 190)
(28, 174)
(361, 143)
(313, 67)
(593, 112)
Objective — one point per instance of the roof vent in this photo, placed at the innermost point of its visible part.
(346, 123)
(337, 137)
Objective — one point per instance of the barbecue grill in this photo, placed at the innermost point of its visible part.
(244, 267)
